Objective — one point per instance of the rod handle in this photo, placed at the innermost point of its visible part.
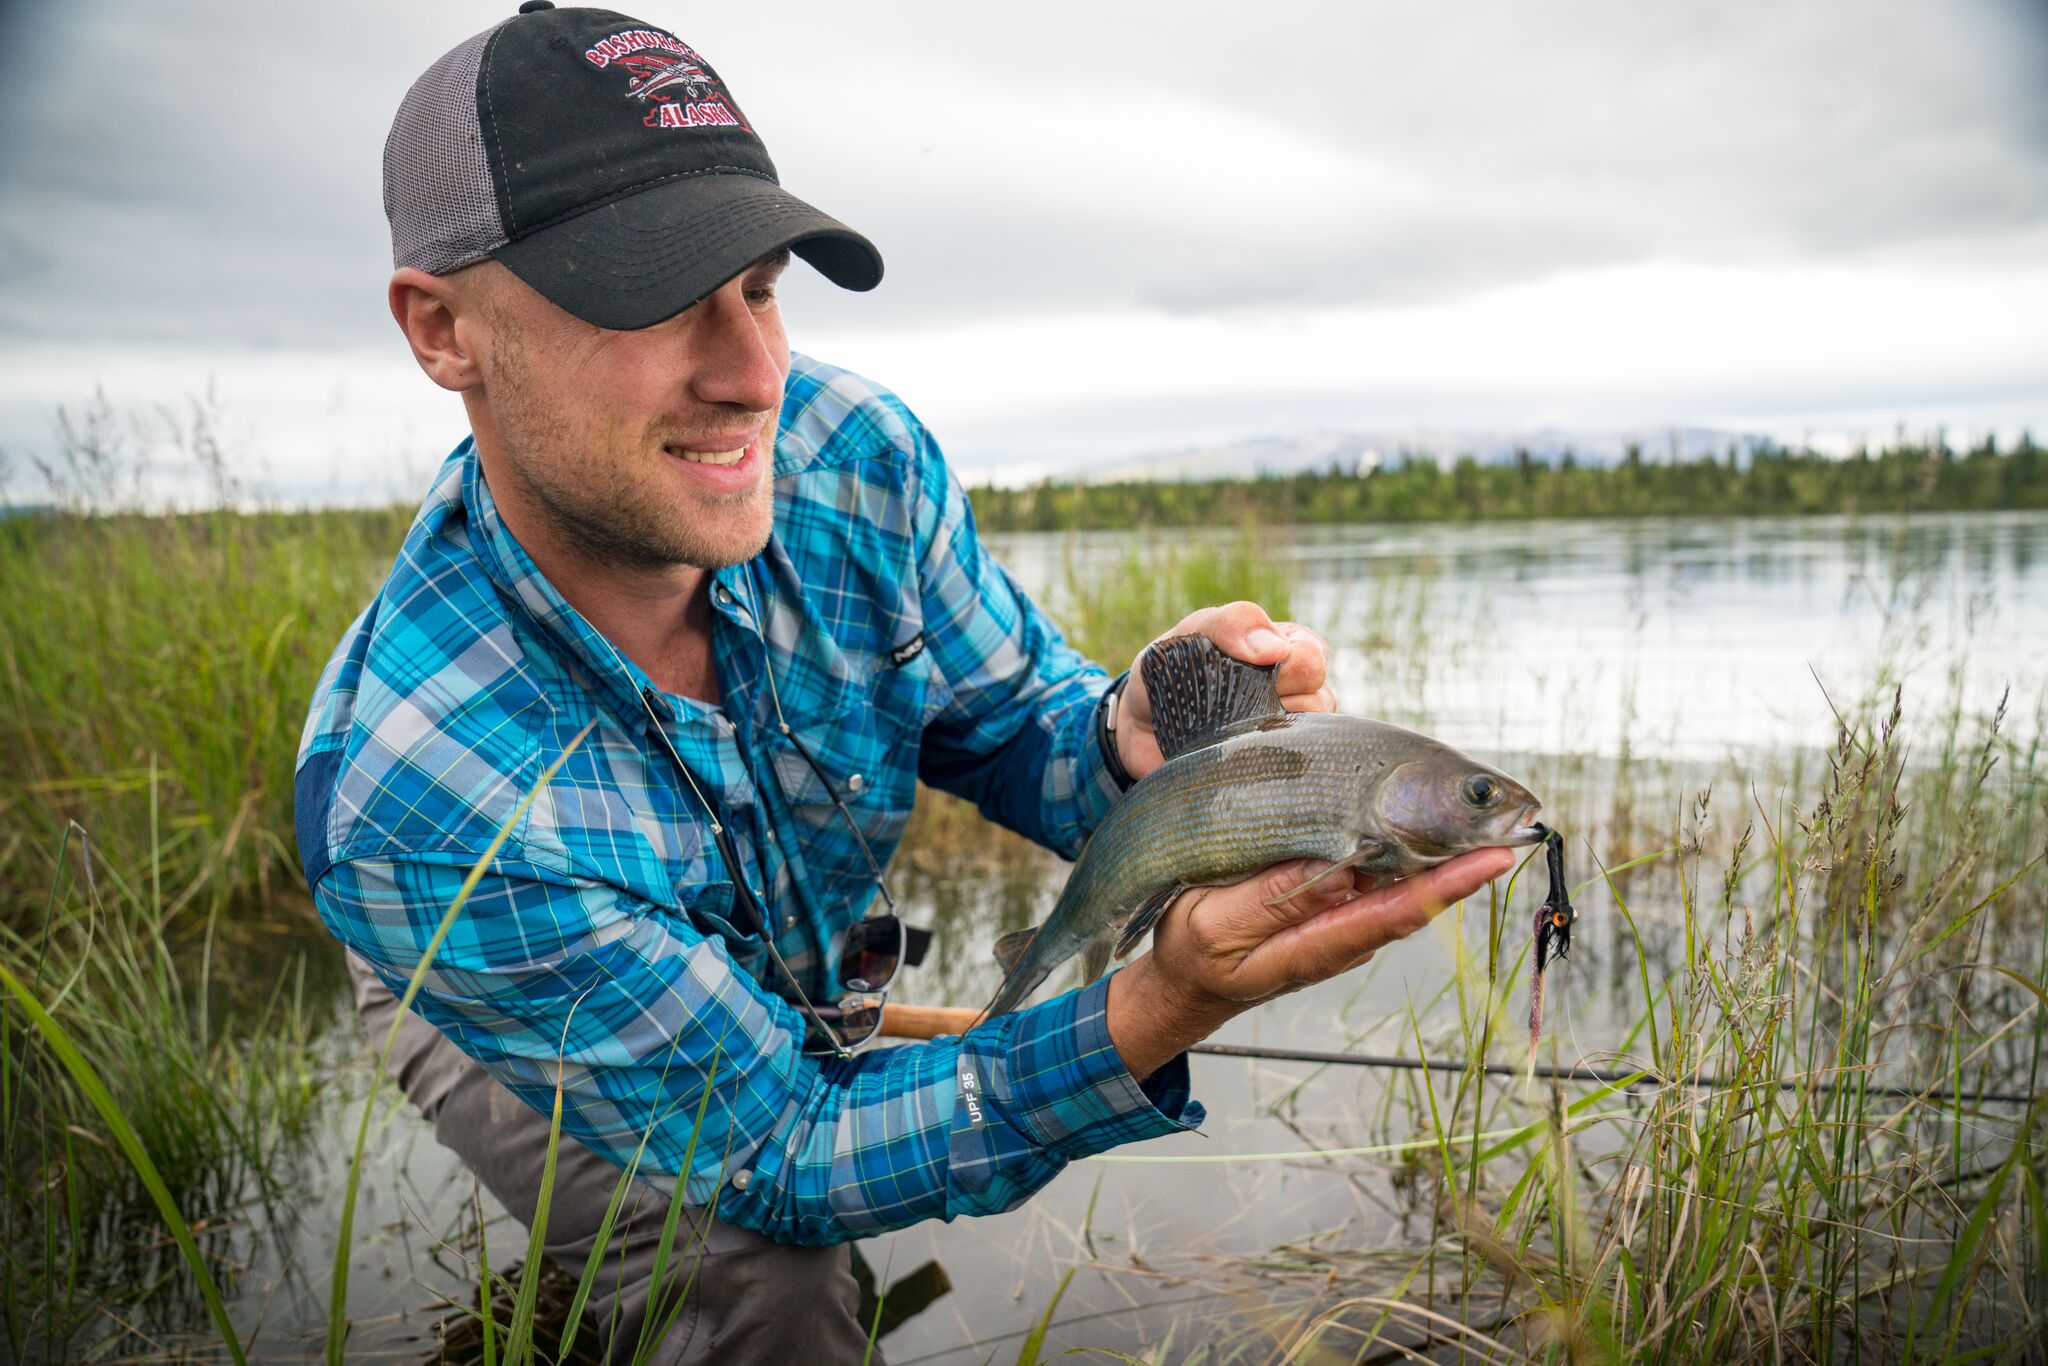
(900, 1021)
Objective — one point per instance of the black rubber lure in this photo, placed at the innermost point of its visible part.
(1554, 921)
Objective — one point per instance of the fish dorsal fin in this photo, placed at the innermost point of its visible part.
(1197, 691)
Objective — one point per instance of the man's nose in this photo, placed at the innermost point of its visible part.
(738, 354)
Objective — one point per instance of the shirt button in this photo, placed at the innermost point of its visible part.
(789, 922)
(856, 783)
(724, 594)
(741, 1180)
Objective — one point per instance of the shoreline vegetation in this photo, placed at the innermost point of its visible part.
(1771, 481)
(1874, 921)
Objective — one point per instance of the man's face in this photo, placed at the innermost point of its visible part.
(644, 449)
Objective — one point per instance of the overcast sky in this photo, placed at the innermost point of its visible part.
(1109, 228)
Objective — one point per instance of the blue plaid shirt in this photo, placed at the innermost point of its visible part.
(601, 948)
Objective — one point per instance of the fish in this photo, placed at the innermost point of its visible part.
(1245, 785)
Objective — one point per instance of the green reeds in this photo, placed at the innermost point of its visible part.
(191, 643)
(1112, 609)
(125, 1102)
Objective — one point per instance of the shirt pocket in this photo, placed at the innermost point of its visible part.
(866, 742)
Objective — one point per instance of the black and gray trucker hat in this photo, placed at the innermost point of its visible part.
(604, 162)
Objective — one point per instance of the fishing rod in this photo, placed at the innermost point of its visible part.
(1581, 1072)
(928, 1022)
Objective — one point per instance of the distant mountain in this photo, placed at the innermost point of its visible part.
(1354, 452)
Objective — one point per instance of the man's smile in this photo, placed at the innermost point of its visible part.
(723, 463)
(709, 457)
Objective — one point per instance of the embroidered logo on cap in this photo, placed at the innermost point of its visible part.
(669, 76)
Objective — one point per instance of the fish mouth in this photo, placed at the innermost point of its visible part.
(1531, 830)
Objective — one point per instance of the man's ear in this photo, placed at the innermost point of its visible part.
(425, 307)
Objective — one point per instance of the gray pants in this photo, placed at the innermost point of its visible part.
(751, 1300)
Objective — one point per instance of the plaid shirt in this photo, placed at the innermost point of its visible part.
(600, 948)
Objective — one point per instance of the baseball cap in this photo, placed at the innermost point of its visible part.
(604, 162)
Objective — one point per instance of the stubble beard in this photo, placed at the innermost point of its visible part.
(604, 492)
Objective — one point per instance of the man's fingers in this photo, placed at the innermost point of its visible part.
(1305, 672)
(1322, 699)
(1241, 630)
(1288, 894)
(1316, 946)
(1306, 921)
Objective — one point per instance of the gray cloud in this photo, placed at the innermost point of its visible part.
(210, 172)
(1557, 137)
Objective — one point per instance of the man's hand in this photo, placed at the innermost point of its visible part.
(1243, 631)
(1221, 950)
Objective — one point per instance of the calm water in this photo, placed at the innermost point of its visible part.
(1697, 640)
(1615, 666)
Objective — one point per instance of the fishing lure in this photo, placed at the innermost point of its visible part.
(1554, 921)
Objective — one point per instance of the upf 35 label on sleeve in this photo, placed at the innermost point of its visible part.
(970, 1096)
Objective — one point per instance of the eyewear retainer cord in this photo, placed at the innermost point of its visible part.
(782, 725)
(754, 908)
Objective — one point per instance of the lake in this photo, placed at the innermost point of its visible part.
(1620, 668)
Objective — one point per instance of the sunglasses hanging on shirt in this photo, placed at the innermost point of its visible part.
(872, 949)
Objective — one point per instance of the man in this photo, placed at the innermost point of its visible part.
(714, 609)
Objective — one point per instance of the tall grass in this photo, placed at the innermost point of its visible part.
(1110, 610)
(154, 677)
(124, 1101)
(187, 646)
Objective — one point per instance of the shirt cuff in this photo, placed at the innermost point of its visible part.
(1068, 1088)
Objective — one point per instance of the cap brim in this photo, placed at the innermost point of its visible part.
(643, 259)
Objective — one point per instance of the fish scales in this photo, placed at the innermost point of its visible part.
(1226, 808)
(1254, 786)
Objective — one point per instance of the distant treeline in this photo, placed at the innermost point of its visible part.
(1769, 480)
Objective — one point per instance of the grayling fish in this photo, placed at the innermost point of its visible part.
(1247, 784)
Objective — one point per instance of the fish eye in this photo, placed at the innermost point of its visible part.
(1481, 790)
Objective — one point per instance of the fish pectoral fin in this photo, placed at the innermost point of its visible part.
(1363, 852)
(1010, 948)
(1095, 955)
(1197, 691)
(1146, 916)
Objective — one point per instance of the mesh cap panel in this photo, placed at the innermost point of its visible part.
(437, 187)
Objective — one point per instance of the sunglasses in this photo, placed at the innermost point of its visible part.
(873, 950)
(868, 957)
